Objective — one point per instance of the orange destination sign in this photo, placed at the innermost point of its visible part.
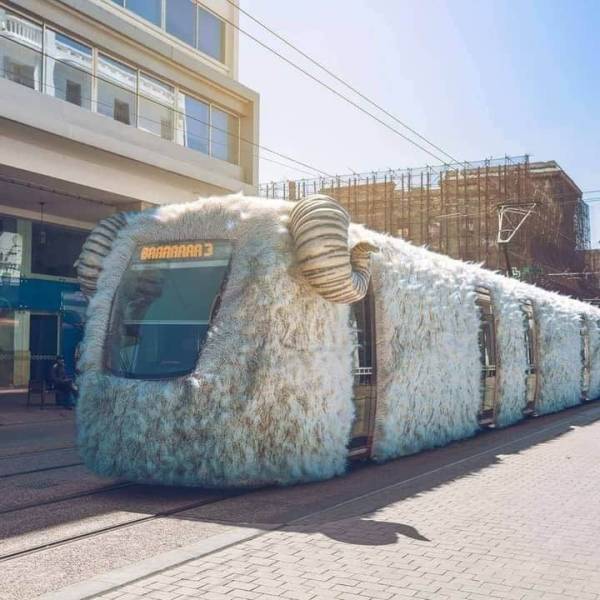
(183, 250)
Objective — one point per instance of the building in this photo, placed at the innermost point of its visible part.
(456, 210)
(107, 105)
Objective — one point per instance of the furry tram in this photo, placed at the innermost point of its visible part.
(240, 341)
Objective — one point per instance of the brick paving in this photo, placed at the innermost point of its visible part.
(524, 526)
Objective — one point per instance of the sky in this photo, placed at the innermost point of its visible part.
(479, 78)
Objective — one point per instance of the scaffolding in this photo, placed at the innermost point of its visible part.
(459, 210)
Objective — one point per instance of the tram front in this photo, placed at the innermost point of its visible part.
(203, 330)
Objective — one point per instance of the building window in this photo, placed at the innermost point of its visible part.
(73, 93)
(69, 69)
(224, 135)
(211, 35)
(180, 19)
(116, 90)
(120, 91)
(20, 50)
(186, 20)
(54, 249)
(156, 107)
(11, 251)
(151, 10)
(196, 124)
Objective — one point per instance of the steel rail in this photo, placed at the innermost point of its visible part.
(98, 490)
(75, 538)
(18, 454)
(30, 472)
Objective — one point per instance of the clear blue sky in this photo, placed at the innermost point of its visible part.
(479, 78)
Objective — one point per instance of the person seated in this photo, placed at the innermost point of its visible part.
(63, 384)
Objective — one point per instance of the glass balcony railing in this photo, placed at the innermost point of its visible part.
(67, 69)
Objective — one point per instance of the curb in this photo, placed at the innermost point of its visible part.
(107, 582)
(151, 566)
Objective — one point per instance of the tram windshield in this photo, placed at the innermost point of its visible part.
(163, 308)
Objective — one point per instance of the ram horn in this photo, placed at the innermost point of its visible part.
(95, 248)
(319, 227)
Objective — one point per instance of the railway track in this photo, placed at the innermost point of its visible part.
(73, 496)
(33, 452)
(43, 469)
(103, 530)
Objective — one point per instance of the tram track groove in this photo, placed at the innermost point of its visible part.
(110, 528)
(75, 496)
(43, 469)
(32, 452)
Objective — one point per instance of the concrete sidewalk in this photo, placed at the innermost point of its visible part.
(518, 520)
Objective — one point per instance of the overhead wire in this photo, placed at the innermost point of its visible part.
(334, 91)
(238, 137)
(342, 81)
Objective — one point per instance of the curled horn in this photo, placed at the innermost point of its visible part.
(319, 227)
(95, 248)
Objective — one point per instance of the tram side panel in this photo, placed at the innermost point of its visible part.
(559, 355)
(429, 384)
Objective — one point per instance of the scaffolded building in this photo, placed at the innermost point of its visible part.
(526, 219)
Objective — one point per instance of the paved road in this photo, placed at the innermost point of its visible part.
(513, 519)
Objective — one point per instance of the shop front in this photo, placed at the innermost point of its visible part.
(41, 307)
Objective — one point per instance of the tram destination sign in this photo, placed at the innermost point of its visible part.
(185, 250)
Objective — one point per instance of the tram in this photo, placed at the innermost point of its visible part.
(239, 341)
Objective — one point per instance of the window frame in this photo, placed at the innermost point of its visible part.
(183, 114)
(214, 314)
(27, 268)
(96, 78)
(224, 47)
(42, 25)
(532, 341)
(364, 376)
(46, 57)
(135, 91)
(487, 315)
(236, 134)
(163, 29)
(585, 353)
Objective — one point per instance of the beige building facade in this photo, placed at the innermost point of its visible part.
(106, 105)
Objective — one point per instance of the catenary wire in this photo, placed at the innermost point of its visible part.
(341, 80)
(333, 90)
(214, 127)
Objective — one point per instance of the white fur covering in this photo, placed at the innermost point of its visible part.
(271, 397)
(270, 400)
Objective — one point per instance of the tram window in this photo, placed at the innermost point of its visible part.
(163, 307)
(362, 322)
(529, 333)
(585, 358)
(487, 345)
(529, 350)
(365, 372)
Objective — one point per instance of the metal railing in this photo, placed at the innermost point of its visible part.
(21, 29)
(430, 176)
(32, 67)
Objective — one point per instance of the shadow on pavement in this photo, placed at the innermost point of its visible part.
(373, 533)
(319, 507)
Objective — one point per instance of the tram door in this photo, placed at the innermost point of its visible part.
(531, 349)
(487, 347)
(585, 359)
(365, 378)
